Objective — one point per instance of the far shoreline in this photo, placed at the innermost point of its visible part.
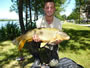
(8, 19)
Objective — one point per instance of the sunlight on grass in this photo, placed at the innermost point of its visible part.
(7, 45)
(12, 64)
(5, 48)
(75, 27)
(81, 57)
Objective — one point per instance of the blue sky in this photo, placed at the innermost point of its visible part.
(5, 7)
(4, 4)
(5, 10)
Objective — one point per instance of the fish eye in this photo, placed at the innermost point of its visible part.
(41, 32)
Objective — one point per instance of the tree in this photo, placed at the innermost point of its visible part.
(80, 5)
(74, 15)
(20, 9)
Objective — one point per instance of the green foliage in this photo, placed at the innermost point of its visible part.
(10, 31)
(80, 2)
(75, 15)
(14, 6)
(58, 4)
(80, 5)
(2, 34)
(63, 17)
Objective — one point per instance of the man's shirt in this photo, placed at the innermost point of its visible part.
(43, 23)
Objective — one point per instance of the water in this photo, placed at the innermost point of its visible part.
(4, 23)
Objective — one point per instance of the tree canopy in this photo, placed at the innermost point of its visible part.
(79, 9)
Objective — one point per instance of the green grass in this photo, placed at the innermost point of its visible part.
(77, 49)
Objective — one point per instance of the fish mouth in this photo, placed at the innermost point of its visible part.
(67, 38)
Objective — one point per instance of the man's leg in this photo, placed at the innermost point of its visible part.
(54, 52)
(33, 48)
(54, 56)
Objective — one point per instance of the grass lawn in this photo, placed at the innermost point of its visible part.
(77, 49)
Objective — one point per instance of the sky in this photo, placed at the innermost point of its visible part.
(5, 10)
(6, 14)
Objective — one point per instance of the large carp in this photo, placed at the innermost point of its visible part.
(46, 35)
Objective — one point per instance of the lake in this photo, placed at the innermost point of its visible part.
(3, 23)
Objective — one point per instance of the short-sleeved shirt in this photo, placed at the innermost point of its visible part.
(43, 23)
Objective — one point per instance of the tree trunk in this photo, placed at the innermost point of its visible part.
(26, 14)
(20, 8)
(30, 13)
(36, 11)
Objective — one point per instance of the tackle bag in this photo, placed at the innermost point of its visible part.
(67, 63)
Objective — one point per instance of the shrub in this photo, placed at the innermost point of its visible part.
(9, 32)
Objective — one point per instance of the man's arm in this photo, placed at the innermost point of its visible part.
(36, 38)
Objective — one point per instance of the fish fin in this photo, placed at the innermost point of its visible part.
(19, 38)
(21, 44)
(52, 43)
(43, 44)
(29, 40)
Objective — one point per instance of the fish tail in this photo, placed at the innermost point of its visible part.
(21, 44)
(19, 38)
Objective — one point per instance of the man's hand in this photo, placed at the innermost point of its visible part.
(58, 41)
(36, 38)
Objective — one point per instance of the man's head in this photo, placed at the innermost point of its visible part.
(49, 7)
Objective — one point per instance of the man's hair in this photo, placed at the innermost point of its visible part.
(45, 1)
(49, 1)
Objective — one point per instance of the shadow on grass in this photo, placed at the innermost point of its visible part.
(79, 39)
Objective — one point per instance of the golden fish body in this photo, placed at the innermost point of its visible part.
(46, 35)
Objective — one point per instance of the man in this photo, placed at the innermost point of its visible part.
(50, 21)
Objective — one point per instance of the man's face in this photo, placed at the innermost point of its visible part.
(49, 9)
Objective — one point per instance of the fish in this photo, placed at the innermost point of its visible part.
(46, 36)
